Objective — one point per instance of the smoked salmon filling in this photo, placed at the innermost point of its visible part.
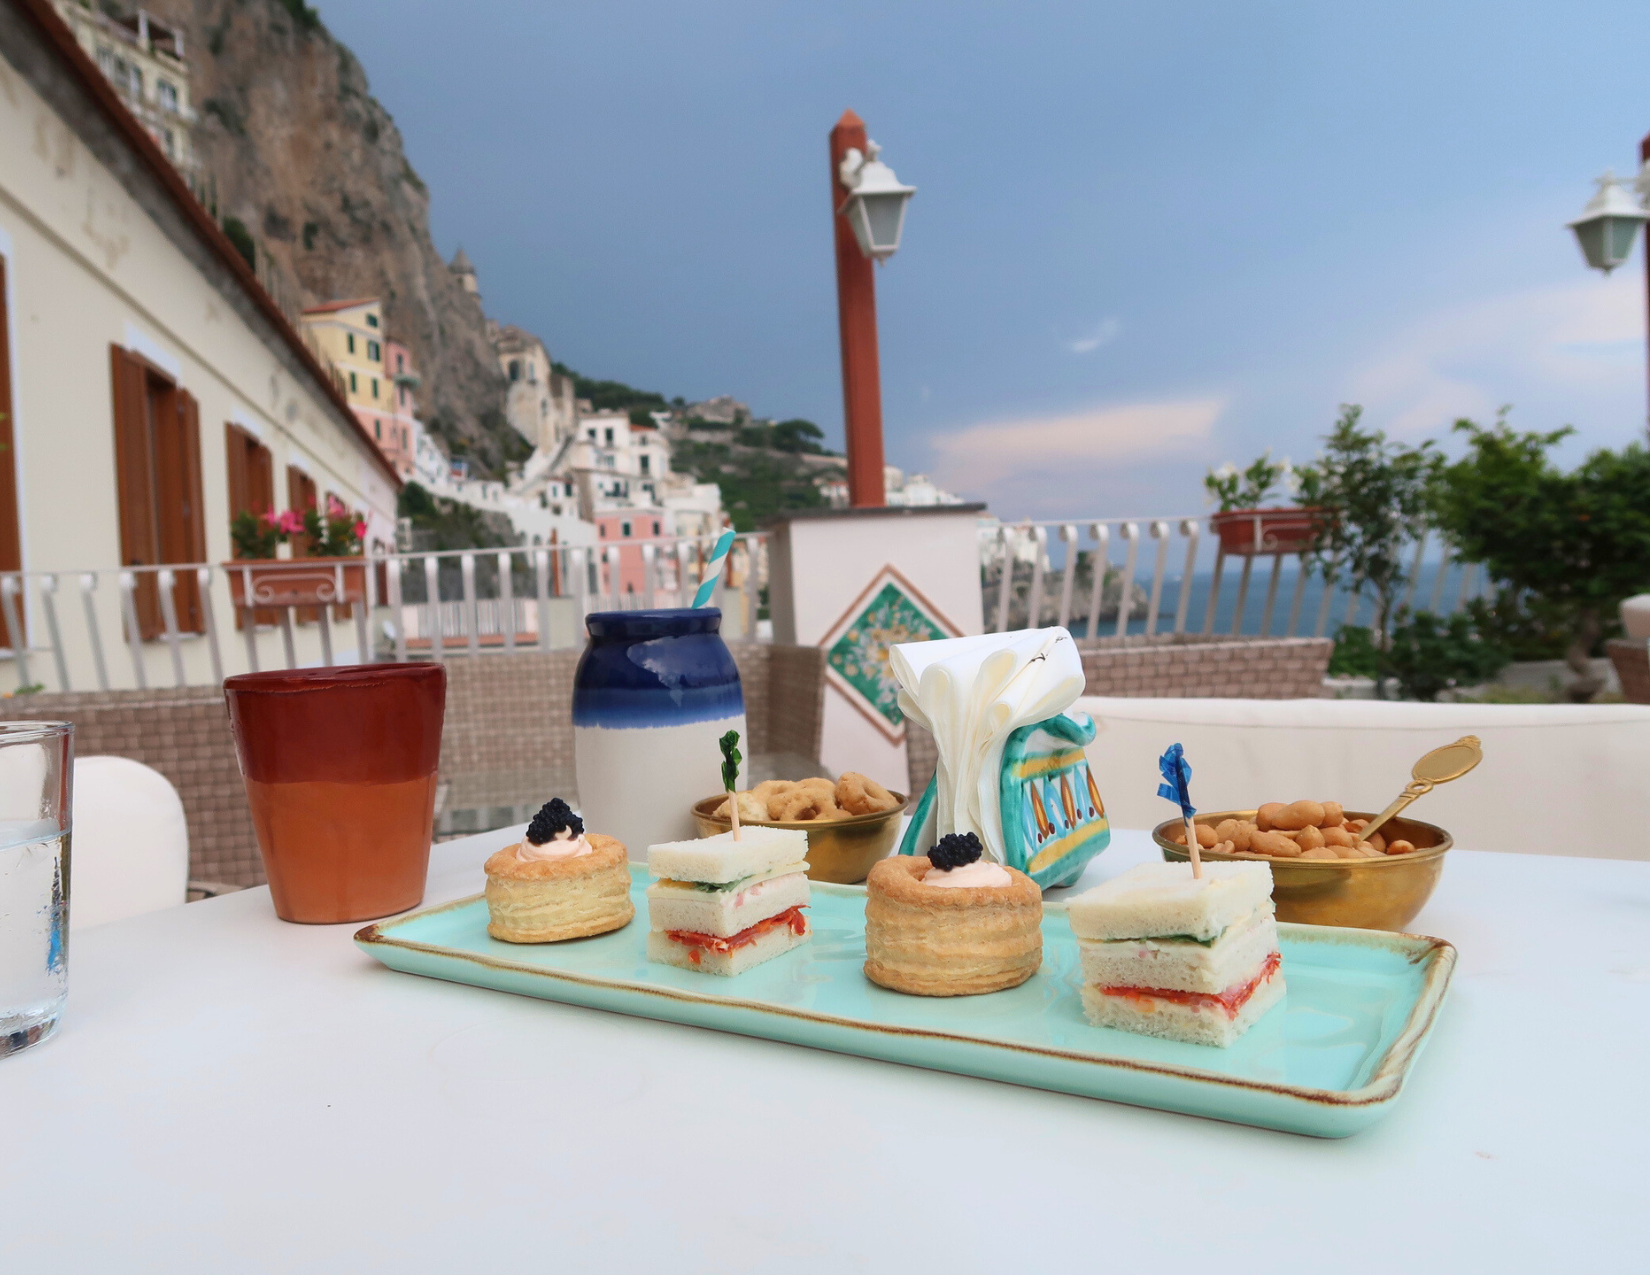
(1231, 1000)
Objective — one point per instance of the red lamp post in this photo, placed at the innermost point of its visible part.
(868, 213)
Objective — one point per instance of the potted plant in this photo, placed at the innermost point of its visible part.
(1247, 528)
(329, 573)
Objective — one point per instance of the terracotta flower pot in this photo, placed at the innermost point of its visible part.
(286, 582)
(1251, 532)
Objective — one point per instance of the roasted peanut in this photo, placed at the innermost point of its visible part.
(1339, 837)
(1321, 852)
(1297, 815)
(1333, 815)
(1206, 838)
(1263, 816)
(1400, 847)
(1309, 838)
(1378, 842)
(1237, 831)
(1274, 843)
(1225, 847)
(1355, 825)
(1347, 852)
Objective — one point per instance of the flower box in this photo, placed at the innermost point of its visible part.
(289, 582)
(1253, 532)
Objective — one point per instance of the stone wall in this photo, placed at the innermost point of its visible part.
(184, 734)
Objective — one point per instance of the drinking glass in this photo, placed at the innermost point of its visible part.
(340, 771)
(36, 781)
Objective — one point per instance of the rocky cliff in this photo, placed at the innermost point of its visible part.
(297, 148)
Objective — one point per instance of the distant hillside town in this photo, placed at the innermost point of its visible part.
(496, 425)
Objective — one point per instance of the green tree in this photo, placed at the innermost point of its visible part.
(1429, 654)
(1375, 494)
(1572, 544)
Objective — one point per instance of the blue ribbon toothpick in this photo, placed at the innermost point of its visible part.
(1177, 773)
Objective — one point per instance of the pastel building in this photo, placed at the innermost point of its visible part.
(375, 374)
(149, 394)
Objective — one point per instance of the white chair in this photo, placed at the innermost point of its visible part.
(1555, 779)
(129, 851)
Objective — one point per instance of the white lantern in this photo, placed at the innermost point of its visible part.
(876, 208)
(1608, 225)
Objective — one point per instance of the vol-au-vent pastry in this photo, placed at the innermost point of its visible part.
(722, 906)
(559, 882)
(1167, 954)
(951, 923)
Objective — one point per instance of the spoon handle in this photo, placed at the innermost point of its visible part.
(1417, 788)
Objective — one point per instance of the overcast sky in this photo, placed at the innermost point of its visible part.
(1147, 238)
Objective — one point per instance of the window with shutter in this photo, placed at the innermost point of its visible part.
(300, 495)
(11, 542)
(251, 490)
(158, 487)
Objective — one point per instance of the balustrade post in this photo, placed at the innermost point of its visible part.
(9, 587)
(48, 603)
(1130, 531)
(88, 585)
(507, 602)
(1068, 576)
(1034, 602)
(1097, 585)
(1160, 533)
(1189, 529)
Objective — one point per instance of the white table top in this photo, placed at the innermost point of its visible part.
(229, 1092)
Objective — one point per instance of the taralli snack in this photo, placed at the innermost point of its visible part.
(751, 807)
(859, 795)
(1316, 830)
(813, 800)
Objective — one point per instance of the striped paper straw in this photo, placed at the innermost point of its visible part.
(713, 569)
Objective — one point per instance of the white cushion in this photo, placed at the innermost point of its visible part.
(1555, 779)
(129, 851)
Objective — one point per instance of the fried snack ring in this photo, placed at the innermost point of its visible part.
(860, 795)
(804, 804)
(751, 808)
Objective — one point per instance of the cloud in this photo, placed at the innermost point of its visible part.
(1105, 334)
(1567, 348)
(981, 457)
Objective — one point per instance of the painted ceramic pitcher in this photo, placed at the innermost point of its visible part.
(653, 693)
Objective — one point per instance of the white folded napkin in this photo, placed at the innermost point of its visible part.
(972, 692)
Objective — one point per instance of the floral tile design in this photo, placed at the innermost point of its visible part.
(891, 612)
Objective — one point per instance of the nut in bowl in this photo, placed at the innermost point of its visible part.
(1384, 891)
(850, 823)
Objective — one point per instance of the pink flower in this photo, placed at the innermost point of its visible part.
(291, 522)
(269, 519)
(335, 507)
(360, 530)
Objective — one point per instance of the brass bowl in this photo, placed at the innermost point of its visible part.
(839, 850)
(1365, 894)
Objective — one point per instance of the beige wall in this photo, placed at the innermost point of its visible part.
(87, 267)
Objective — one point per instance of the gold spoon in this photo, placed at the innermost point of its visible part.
(1437, 767)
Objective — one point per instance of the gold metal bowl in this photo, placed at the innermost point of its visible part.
(839, 850)
(1365, 894)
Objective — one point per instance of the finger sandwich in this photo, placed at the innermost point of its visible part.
(1166, 954)
(722, 906)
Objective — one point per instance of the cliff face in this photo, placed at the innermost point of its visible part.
(312, 164)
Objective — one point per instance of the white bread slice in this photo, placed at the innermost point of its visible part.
(1192, 1024)
(1182, 966)
(1156, 899)
(664, 950)
(718, 859)
(723, 913)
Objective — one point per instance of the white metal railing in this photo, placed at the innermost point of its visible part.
(84, 630)
(1184, 587)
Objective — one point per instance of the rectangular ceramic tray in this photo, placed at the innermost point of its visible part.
(1329, 1061)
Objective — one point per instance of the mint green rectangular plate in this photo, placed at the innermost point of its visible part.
(1329, 1061)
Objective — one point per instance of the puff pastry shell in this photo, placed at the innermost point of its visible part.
(932, 941)
(548, 900)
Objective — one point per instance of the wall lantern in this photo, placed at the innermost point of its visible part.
(1610, 222)
(876, 208)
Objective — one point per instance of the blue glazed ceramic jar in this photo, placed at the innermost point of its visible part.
(653, 693)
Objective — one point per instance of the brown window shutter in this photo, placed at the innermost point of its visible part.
(11, 541)
(300, 495)
(191, 512)
(135, 481)
(237, 448)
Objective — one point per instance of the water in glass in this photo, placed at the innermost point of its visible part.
(34, 930)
